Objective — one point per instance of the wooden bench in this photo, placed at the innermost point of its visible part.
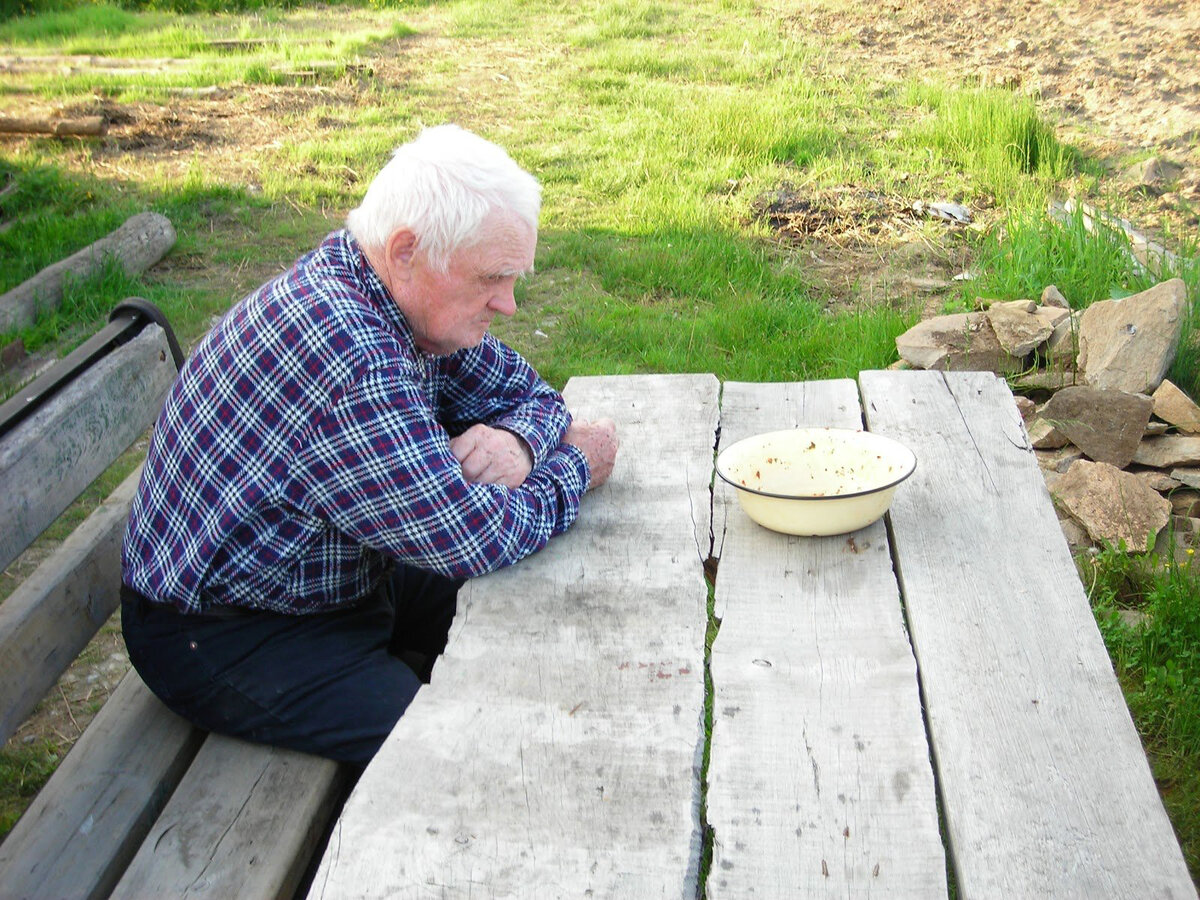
(144, 805)
(922, 709)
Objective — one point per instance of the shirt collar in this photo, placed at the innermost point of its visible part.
(355, 260)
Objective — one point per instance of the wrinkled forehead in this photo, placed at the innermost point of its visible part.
(504, 245)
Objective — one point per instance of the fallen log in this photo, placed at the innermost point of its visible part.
(88, 125)
(142, 241)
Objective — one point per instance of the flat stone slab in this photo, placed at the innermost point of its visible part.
(1129, 344)
(1018, 328)
(960, 342)
(1114, 506)
(1106, 425)
(1169, 450)
(1174, 406)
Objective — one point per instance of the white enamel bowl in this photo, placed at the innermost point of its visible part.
(814, 481)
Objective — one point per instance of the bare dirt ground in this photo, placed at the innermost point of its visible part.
(1120, 79)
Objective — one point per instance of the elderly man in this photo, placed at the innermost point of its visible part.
(345, 447)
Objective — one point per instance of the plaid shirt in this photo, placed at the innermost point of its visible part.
(305, 446)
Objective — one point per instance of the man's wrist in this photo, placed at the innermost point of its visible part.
(524, 444)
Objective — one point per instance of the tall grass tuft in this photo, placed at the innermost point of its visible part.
(1031, 250)
(999, 137)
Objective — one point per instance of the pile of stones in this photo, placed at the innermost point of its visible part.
(1119, 445)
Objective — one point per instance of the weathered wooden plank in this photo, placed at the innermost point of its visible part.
(87, 822)
(57, 452)
(556, 752)
(138, 244)
(819, 775)
(1045, 786)
(244, 822)
(48, 620)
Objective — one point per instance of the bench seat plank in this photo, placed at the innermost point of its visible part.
(244, 822)
(819, 776)
(91, 816)
(556, 752)
(48, 620)
(59, 450)
(1045, 786)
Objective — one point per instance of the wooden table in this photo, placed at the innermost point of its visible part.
(939, 667)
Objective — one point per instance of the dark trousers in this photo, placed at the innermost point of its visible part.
(331, 684)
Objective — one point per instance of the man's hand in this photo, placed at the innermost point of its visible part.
(598, 441)
(492, 456)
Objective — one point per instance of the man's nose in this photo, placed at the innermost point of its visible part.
(504, 302)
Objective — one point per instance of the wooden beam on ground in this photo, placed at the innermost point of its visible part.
(73, 63)
(48, 620)
(557, 751)
(819, 775)
(60, 449)
(138, 244)
(87, 126)
(88, 821)
(1045, 787)
(244, 822)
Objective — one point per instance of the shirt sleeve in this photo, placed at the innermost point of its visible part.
(379, 468)
(491, 383)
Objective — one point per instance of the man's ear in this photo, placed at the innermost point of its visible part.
(400, 250)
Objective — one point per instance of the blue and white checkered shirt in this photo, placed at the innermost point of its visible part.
(305, 446)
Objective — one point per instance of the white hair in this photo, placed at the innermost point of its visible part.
(442, 186)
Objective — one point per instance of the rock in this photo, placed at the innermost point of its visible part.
(1178, 542)
(1185, 503)
(1076, 535)
(1016, 45)
(1044, 380)
(1024, 306)
(1044, 436)
(959, 342)
(1168, 451)
(1052, 315)
(1153, 429)
(1174, 406)
(1129, 344)
(1152, 174)
(1057, 460)
(1132, 618)
(1052, 296)
(1157, 479)
(1060, 349)
(1025, 406)
(1051, 479)
(1017, 327)
(1188, 476)
(1106, 425)
(1113, 506)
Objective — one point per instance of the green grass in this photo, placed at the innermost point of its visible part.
(1158, 663)
(655, 128)
(998, 137)
(24, 768)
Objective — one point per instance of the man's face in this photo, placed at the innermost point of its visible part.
(452, 310)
